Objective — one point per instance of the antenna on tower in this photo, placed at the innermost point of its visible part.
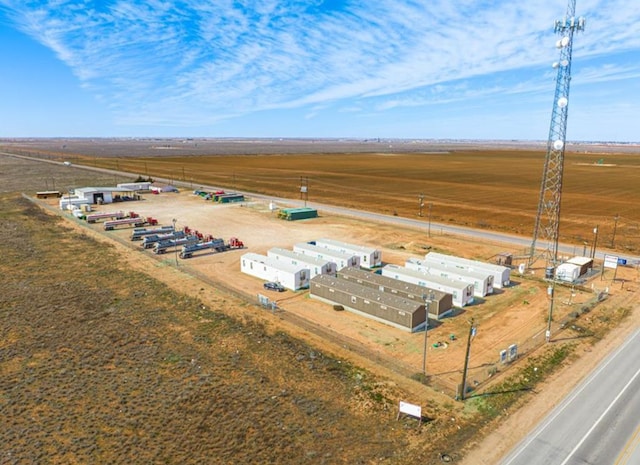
(548, 216)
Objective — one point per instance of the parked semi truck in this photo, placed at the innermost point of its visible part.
(217, 245)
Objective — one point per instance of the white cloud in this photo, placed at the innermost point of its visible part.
(202, 61)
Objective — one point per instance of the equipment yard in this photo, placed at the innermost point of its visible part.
(514, 315)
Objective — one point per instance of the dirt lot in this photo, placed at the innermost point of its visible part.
(514, 315)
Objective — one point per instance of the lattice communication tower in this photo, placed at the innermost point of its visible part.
(548, 217)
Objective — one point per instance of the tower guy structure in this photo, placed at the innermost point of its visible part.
(548, 216)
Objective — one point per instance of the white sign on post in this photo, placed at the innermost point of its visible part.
(411, 410)
(610, 261)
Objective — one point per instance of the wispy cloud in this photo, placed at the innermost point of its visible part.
(197, 61)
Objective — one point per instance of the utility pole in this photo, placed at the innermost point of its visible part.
(304, 189)
(429, 227)
(427, 305)
(472, 332)
(615, 226)
(551, 293)
(595, 242)
(174, 221)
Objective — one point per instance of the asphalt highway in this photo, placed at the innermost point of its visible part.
(599, 423)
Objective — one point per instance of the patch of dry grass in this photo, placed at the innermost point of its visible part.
(100, 364)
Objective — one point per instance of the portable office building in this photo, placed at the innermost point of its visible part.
(440, 303)
(302, 213)
(501, 274)
(270, 269)
(461, 293)
(48, 194)
(67, 202)
(316, 266)
(340, 259)
(229, 198)
(405, 314)
(482, 281)
(567, 272)
(369, 256)
(144, 186)
(585, 264)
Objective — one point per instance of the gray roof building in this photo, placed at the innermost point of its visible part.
(441, 303)
(402, 313)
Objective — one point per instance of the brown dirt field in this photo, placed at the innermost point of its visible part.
(493, 187)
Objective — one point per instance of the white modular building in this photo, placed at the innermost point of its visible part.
(369, 257)
(339, 258)
(568, 272)
(482, 281)
(585, 264)
(315, 265)
(69, 202)
(501, 274)
(462, 293)
(144, 186)
(263, 267)
(102, 195)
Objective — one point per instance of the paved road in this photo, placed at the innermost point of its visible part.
(599, 423)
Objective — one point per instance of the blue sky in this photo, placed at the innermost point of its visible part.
(430, 69)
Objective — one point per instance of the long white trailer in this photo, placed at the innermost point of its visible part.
(462, 293)
(501, 274)
(482, 281)
(339, 258)
(370, 257)
(263, 267)
(316, 265)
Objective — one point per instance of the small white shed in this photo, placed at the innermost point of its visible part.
(316, 265)
(567, 272)
(263, 267)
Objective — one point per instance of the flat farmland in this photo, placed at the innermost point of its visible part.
(487, 187)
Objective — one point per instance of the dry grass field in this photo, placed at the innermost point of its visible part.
(100, 363)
